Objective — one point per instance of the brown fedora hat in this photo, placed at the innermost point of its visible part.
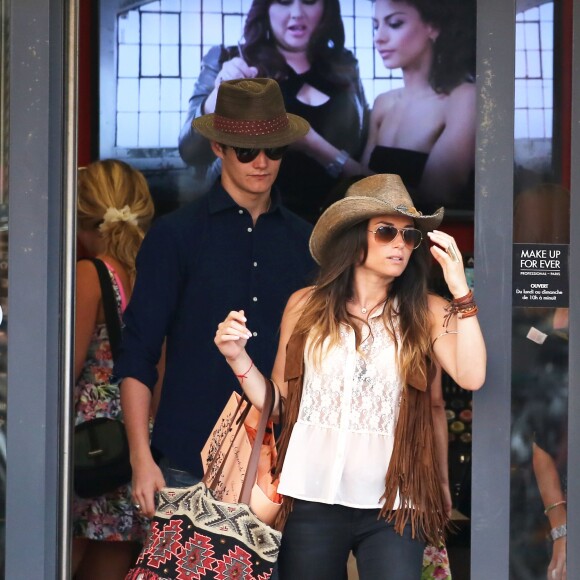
(373, 196)
(251, 113)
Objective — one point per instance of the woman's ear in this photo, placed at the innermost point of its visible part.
(433, 33)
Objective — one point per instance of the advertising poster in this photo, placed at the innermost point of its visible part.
(345, 66)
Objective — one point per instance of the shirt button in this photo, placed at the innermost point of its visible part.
(249, 229)
(240, 211)
(255, 299)
(254, 334)
(255, 264)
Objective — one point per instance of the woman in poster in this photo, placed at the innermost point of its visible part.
(425, 131)
(300, 43)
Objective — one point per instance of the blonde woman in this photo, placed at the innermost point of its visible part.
(358, 459)
(114, 210)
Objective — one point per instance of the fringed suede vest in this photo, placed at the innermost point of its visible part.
(412, 470)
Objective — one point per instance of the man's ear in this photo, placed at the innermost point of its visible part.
(217, 149)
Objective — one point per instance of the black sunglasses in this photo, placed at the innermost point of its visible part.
(386, 234)
(247, 154)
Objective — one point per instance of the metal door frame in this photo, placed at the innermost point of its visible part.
(490, 517)
(41, 255)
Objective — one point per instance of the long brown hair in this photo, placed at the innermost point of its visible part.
(454, 48)
(405, 300)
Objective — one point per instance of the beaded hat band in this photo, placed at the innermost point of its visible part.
(251, 113)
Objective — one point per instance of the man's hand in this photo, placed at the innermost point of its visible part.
(147, 481)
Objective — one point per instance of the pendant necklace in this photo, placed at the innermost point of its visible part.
(363, 309)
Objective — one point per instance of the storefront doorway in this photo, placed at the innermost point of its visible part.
(525, 422)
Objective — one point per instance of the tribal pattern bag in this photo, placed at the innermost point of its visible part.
(200, 537)
(194, 535)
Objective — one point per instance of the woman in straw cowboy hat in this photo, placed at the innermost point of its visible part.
(357, 458)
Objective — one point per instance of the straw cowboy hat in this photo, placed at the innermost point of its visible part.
(376, 195)
(251, 113)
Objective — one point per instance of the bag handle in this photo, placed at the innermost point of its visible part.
(109, 306)
(252, 470)
(239, 419)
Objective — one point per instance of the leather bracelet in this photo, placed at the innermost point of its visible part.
(464, 307)
(464, 299)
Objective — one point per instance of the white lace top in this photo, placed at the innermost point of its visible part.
(342, 443)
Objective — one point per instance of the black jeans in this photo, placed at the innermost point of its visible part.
(318, 538)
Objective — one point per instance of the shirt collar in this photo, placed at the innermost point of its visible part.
(377, 311)
(221, 200)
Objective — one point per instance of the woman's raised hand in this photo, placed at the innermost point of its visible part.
(232, 335)
(446, 252)
(236, 68)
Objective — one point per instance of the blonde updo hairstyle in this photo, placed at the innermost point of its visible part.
(111, 183)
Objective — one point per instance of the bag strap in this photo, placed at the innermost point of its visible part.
(238, 418)
(252, 470)
(109, 306)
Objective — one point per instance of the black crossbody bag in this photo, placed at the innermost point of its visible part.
(101, 448)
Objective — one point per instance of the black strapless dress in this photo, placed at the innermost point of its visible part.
(410, 165)
(304, 184)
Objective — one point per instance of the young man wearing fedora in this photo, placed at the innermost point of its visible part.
(236, 245)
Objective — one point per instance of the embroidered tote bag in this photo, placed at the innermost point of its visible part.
(264, 500)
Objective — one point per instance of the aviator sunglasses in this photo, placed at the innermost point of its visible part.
(386, 234)
(247, 154)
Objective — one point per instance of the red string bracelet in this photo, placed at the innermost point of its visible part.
(245, 375)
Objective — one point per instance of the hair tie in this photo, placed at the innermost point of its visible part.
(113, 215)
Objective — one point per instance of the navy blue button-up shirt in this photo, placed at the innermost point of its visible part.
(195, 266)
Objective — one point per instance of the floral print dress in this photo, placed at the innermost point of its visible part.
(436, 563)
(109, 517)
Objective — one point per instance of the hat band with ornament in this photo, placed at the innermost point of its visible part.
(373, 196)
(239, 127)
(251, 113)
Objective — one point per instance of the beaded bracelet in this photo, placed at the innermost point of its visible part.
(559, 532)
(467, 312)
(554, 505)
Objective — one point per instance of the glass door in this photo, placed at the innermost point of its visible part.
(540, 299)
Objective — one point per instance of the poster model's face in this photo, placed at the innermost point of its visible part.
(402, 39)
(292, 22)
